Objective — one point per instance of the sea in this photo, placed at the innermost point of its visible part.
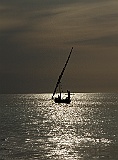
(33, 127)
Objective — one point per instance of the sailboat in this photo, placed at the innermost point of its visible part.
(59, 99)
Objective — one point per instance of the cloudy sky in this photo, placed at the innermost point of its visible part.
(36, 37)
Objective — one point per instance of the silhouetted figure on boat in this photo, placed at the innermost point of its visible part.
(68, 94)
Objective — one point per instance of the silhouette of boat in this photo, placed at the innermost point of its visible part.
(59, 99)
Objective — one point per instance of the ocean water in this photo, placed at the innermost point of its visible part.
(33, 127)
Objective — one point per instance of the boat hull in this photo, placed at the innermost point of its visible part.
(58, 100)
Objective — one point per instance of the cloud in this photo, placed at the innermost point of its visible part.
(103, 41)
(59, 23)
(34, 35)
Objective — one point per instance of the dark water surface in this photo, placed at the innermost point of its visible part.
(33, 127)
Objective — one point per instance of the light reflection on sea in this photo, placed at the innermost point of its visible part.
(34, 127)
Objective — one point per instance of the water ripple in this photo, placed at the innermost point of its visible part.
(34, 127)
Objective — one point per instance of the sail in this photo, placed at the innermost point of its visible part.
(60, 76)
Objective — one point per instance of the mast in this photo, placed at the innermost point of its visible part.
(62, 72)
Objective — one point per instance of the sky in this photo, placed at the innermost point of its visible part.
(36, 37)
